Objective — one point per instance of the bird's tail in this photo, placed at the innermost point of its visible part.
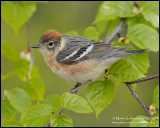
(119, 51)
(122, 52)
(129, 52)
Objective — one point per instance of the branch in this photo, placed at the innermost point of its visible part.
(143, 79)
(47, 124)
(116, 31)
(136, 96)
(135, 4)
(29, 46)
(78, 86)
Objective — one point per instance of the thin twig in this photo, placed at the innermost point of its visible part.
(135, 4)
(136, 96)
(139, 100)
(75, 89)
(143, 79)
(116, 30)
(29, 46)
(47, 124)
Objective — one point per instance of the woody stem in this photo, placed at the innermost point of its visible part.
(78, 86)
(116, 31)
(136, 96)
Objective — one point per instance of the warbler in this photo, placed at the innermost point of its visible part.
(79, 59)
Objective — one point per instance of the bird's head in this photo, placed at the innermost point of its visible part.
(49, 41)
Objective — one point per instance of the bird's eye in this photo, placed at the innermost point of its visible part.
(50, 43)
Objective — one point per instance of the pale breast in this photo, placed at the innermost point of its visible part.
(79, 72)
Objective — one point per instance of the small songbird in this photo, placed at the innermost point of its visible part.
(79, 59)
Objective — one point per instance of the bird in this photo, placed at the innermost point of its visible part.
(78, 59)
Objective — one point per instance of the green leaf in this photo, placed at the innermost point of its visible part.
(100, 94)
(112, 24)
(139, 19)
(54, 101)
(117, 82)
(110, 10)
(34, 86)
(144, 36)
(156, 97)
(91, 33)
(75, 103)
(139, 62)
(140, 3)
(21, 69)
(72, 33)
(13, 123)
(30, 90)
(16, 13)
(37, 115)
(101, 26)
(19, 99)
(140, 121)
(150, 11)
(153, 123)
(156, 114)
(131, 67)
(7, 111)
(9, 52)
(124, 71)
(61, 121)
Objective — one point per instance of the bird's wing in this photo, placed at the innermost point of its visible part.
(74, 42)
(73, 46)
(83, 49)
(104, 51)
(80, 48)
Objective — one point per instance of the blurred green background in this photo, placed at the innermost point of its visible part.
(64, 17)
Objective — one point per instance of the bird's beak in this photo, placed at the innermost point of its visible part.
(36, 46)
